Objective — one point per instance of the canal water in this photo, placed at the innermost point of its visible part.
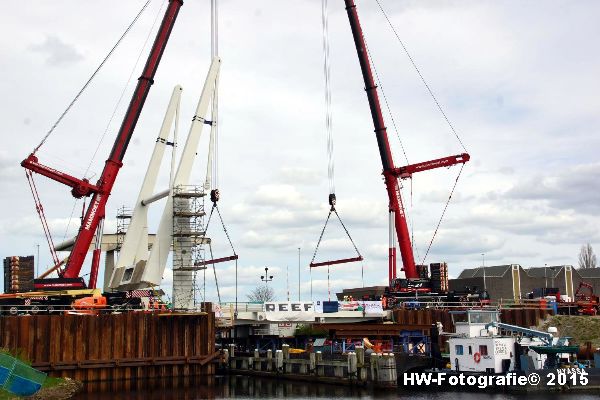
(243, 387)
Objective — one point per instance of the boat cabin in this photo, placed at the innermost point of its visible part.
(476, 347)
(479, 347)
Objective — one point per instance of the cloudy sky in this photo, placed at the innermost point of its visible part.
(518, 80)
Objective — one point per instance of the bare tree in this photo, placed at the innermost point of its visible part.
(262, 293)
(587, 258)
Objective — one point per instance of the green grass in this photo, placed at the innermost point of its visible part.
(581, 328)
(48, 383)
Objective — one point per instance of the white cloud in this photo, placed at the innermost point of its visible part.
(57, 52)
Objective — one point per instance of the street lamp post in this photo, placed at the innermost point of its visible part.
(266, 278)
(298, 273)
(483, 266)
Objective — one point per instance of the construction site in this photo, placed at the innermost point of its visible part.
(156, 289)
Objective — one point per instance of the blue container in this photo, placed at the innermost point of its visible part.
(330, 306)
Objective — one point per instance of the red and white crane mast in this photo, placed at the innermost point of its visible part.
(390, 172)
(92, 221)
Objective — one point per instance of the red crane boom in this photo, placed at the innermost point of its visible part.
(390, 172)
(101, 191)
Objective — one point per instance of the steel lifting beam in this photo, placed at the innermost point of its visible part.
(333, 262)
(216, 260)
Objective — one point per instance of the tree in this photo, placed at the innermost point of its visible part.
(262, 293)
(587, 258)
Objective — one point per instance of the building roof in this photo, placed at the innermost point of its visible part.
(545, 272)
(589, 272)
(496, 271)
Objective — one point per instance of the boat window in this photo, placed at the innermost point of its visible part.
(459, 349)
(459, 317)
(480, 318)
(483, 350)
(470, 350)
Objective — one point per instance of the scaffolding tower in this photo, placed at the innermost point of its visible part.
(124, 215)
(189, 238)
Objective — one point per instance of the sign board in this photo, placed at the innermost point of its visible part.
(289, 311)
(371, 308)
(217, 310)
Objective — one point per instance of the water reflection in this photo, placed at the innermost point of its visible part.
(244, 387)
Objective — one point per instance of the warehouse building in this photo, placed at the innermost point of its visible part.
(512, 281)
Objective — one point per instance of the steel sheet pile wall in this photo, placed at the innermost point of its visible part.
(423, 317)
(116, 346)
(526, 317)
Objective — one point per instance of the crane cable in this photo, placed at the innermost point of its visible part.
(329, 134)
(118, 101)
(216, 207)
(443, 213)
(439, 107)
(441, 110)
(328, 117)
(212, 168)
(91, 78)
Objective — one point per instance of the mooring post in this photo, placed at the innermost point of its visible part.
(279, 361)
(226, 357)
(287, 365)
(232, 350)
(313, 363)
(352, 366)
(360, 356)
(320, 367)
(269, 360)
(393, 372)
(303, 368)
(387, 370)
(286, 351)
(374, 361)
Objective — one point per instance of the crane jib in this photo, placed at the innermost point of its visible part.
(96, 209)
(385, 153)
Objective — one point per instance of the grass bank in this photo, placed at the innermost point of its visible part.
(581, 328)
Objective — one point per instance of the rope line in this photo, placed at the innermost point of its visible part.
(84, 87)
(347, 233)
(385, 100)
(443, 213)
(133, 69)
(421, 76)
(215, 272)
(333, 210)
(321, 236)
(225, 229)
(328, 114)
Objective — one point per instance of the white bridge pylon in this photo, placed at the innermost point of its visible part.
(137, 267)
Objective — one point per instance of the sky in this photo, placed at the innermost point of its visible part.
(518, 80)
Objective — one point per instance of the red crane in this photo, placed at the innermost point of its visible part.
(94, 216)
(390, 172)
